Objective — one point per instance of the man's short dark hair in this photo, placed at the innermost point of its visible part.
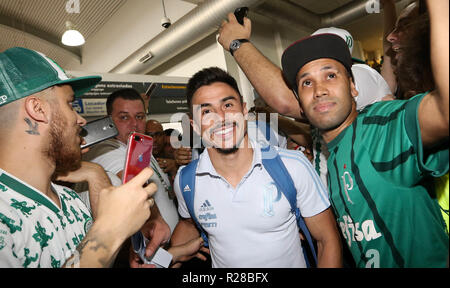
(127, 94)
(207, 77)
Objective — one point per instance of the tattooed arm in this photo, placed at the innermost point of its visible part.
(121, 212)
(97, 250)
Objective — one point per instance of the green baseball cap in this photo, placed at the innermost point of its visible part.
(24, 72)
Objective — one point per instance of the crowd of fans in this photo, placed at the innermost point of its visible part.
(365, 152)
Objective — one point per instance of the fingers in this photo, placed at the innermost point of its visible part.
(140, 179)
(152, 246)
(159, 234)
(136, 262)
(187, 250)
(205, 250)
(247, 23)
(151, 189)
(151, 202)
(223, 23)
(232, 18)
(183, 156)
(200, 256)
(163, 162)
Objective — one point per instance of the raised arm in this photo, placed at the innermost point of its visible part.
(265, 76)
(434, 110)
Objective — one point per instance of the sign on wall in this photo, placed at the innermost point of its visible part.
(159, 98)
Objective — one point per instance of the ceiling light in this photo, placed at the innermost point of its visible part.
(72, 37)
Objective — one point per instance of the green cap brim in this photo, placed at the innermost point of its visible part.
(81, 85)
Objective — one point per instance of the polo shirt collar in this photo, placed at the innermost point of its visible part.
(27, 190)
(205, 165)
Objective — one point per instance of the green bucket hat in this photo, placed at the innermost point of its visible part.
(24, 72)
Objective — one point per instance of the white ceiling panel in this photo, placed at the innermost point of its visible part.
(48, 17)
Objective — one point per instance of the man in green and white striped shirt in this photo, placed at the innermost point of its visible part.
(43, 224)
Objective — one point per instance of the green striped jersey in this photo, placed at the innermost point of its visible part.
(380, 184)
(34, 231)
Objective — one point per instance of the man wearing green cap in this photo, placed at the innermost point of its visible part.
(382, 159)
(43, 224)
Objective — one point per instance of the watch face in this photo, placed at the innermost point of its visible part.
(235, 44)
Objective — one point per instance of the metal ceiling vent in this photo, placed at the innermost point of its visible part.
(187, 31)
(207, 17)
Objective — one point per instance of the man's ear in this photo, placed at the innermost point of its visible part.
(302, 112)
(245, 111)
(37, 109)
(353, 90)
(195, 127)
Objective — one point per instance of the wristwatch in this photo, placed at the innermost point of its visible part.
(236, 44)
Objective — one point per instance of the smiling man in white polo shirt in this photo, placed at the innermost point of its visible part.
(248, 221)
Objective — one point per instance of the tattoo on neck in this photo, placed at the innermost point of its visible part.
(33, 129)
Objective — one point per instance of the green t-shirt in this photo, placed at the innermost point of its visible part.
(380, 184)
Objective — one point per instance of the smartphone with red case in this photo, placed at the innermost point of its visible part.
(139, 154)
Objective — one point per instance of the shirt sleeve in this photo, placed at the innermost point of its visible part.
(395, 148)
(312, 197)
(433, 162)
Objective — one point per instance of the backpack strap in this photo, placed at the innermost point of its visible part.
(187, 186)
(264, 129)
(283, 180)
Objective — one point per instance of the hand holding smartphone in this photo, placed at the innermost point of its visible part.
(240, 13)
(97, 131)
(139, 154)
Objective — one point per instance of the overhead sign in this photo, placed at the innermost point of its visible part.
(159, 98)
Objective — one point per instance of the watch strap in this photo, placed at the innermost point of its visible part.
(241, 41)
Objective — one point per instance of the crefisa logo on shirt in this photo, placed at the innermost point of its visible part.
(3, 99)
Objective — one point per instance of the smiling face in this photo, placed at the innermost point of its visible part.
(219, 111)
(326, 94)
(398, 35)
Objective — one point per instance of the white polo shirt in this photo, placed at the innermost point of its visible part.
(252, 225)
